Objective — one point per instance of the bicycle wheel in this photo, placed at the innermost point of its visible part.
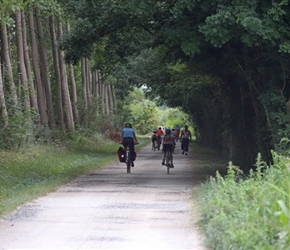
(128, 161)
(167, 161)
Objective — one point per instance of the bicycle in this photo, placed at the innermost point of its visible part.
(128, 162)
(128, 159)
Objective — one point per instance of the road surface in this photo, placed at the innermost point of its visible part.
(110, 209)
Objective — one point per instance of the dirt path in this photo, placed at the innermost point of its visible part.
(109, 208)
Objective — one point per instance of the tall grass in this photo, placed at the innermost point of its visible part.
(30, 173)
(252, 212)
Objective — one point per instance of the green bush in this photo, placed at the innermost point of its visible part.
(250, 212)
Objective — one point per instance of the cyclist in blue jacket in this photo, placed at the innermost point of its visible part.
(129, 139)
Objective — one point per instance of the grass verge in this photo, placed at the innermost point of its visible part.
(35, 171)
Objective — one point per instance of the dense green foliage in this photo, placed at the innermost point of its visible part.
(145, 115)
(224, 63)
(248, 213)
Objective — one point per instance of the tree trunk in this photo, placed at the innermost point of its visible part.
(45, 71)
(103, 104)
(89, 88)
(55, 55)
(98, 91)
(32, 92)
(94, 83)
(114, 100)
(21, 64)
(74, 94)
(3, 109)
(8, 66)
(85, 94)
(41, 100)
(68, 113)
(111, 99)
(107, 94)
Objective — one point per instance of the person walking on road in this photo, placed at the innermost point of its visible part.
(185, 136)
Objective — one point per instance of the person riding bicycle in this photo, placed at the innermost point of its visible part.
(159, 134)
(154, 140)
(177, 131)
(168, 144)
(128, 138)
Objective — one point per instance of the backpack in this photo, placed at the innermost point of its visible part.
(185, 134)
(121, 154)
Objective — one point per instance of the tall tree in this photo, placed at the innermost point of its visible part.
(238, 50)
(8, 66)
(3, 109)
(68, 113)
(45, 69)
(85, 92)
(21, 63)
(74, 95)
(74, 91)
(56, 65)
(41, 98)
(32, 92)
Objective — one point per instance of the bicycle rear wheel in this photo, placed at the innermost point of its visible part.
(128, 161)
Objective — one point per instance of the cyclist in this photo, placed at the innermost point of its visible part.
(173, 133)
(177, 129)
(154, 140)
(168, 144)
(184, 138)
(129, 139)
(159, 135)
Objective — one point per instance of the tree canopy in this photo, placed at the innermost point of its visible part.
(224, 63)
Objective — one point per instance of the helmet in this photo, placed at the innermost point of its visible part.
(168, 131)
(128, 125)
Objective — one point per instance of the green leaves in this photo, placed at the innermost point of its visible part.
(231, 52)
(9, 7)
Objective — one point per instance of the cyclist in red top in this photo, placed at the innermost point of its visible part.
(159, 132)
(159, 135)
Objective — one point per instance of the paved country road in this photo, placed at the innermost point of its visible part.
(110, 209)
